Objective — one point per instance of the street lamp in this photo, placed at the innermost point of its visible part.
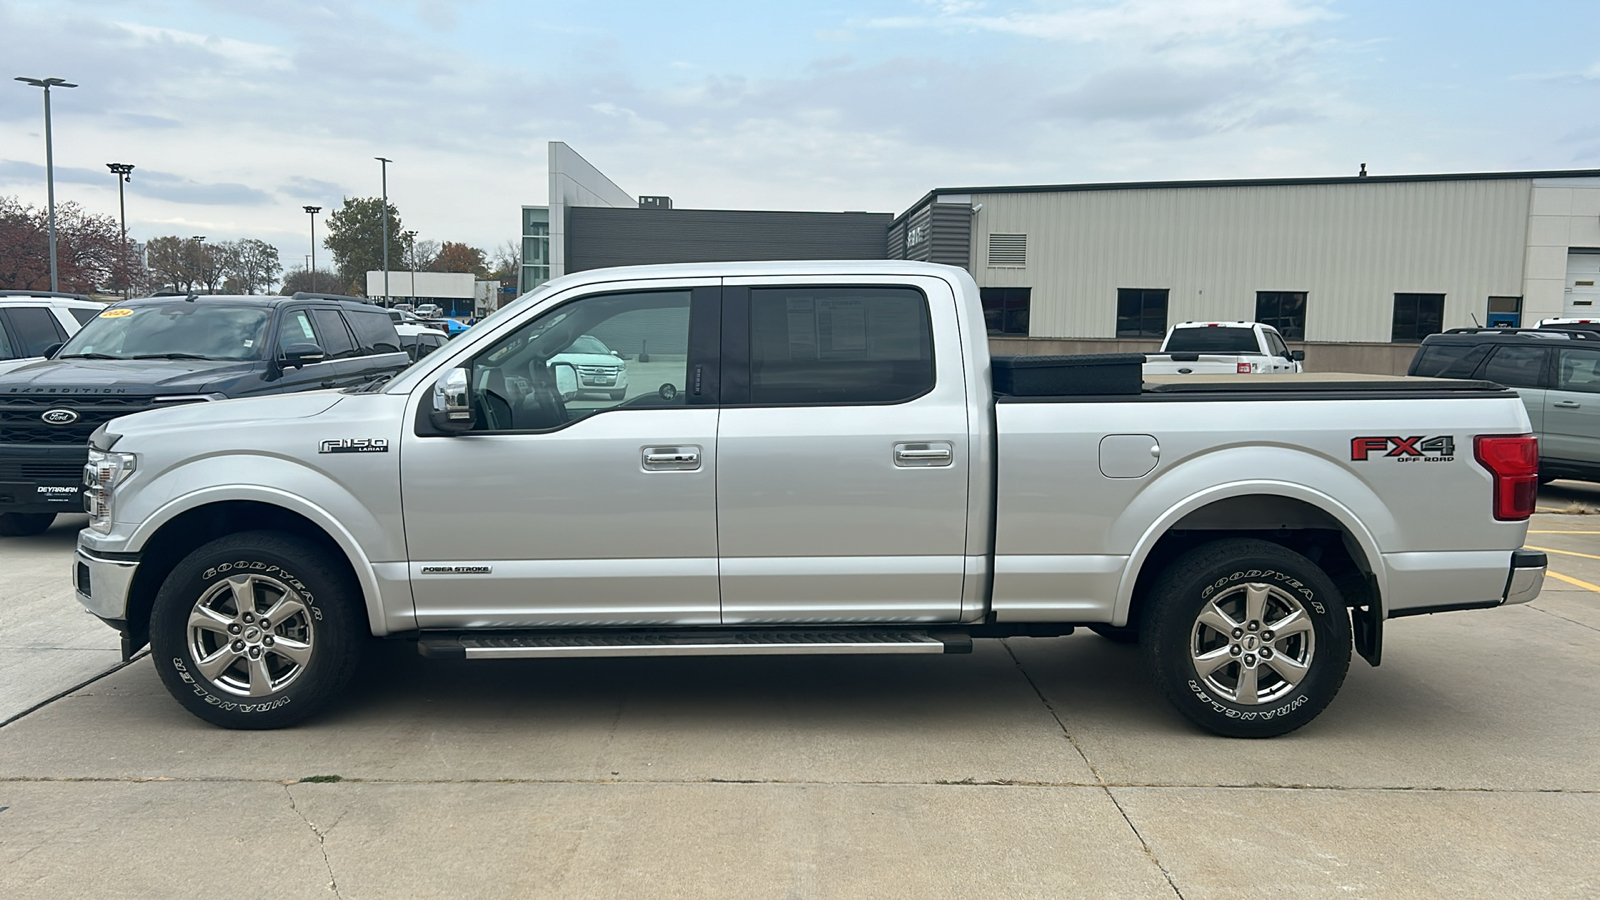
(123, 173)
(411, 250)
(49, 164)
(385, 216)
(313, 210)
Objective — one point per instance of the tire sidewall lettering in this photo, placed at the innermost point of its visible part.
(198, 683)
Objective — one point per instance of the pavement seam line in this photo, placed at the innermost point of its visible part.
(1563, 618)
(322, 846)
(75, 688)
(1143, 844)
(774, 782)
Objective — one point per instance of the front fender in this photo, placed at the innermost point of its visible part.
(1235, 472)
(367, 529)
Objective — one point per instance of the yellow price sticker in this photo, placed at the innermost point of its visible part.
(116, 313)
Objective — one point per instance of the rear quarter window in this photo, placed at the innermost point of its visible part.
(1448, 360)
(374, 330)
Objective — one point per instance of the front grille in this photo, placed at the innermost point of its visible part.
(20, 421)
(41, 471)
(606, 371)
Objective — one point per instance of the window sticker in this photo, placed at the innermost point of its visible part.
(116, 313)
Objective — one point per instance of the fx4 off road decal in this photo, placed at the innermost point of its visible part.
(1404, 449)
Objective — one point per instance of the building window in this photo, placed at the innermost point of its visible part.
(1504, 312)
(1005, 310)
(1141, 312)
(1416, 316)
(1009, 250)
(1283, 310)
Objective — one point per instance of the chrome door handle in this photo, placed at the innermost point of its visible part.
(671, 459)
(1567, 404)
(927, 455)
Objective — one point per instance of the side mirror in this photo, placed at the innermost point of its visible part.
(566, 380)
(452, 411)
(51, 351)
(1297, 355)
(616, 354)
(301, 354)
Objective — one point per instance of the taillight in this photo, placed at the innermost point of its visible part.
(1513, 460)
(1243, 368)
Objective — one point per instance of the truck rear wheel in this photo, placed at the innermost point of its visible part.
(256, 630)
(1246, 638)
(24, 524)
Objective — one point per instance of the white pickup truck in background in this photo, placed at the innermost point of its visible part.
(1221, 348)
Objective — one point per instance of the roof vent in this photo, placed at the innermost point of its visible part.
(655, 202)
(1008, 250)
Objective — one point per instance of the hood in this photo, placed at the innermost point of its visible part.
(133, 376)
(252, 411)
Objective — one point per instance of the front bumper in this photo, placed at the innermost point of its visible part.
(102, 581)
(1527, 576)
(42, 478)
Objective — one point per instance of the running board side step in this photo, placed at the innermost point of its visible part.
(698, 642)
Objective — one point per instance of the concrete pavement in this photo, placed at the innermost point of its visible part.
(1463, 767)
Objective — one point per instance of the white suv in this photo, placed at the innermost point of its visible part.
(31, 322)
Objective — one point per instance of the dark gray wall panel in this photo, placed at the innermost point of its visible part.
(601, 236)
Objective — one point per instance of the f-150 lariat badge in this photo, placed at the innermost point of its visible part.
(354, 445)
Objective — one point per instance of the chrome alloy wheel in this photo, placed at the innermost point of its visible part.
(251, 635)
(1253, 643)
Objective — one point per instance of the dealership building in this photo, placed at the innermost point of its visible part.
(1355, 270)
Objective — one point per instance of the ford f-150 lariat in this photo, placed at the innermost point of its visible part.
(815, 458)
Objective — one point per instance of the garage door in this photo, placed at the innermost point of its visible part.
(1583, 282)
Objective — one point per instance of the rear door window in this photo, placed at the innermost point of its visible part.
(1517, 366)
(6, 352)
(831, 345)
(335, 335)
(374, 331)
(1579, 370)
(34, 329)
(1449, 360)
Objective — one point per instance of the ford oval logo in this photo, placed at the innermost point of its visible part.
(59, 416)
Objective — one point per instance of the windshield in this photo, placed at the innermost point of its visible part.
(181, 330)
(1212, 340)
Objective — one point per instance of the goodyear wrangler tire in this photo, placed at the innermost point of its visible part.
(257, 630)
(1246, 638)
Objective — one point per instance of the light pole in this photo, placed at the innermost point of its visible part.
(202, 268)
(385, 215)
(49, 165)
(411, 250)
(313, 210)
(123, 172)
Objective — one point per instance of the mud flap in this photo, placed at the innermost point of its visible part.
(1366, 625)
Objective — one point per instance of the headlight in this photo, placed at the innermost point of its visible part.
(106, 470)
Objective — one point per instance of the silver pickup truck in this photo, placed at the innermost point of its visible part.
(809, 458)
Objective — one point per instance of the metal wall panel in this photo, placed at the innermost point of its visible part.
(598, 236)
(1350, 246)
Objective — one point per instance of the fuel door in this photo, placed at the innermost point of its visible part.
(1128, 455)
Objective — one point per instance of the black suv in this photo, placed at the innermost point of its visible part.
(158, 351)
(1555, 371)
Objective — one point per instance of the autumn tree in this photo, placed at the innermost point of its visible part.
(89, 251)
(300, 279)
(457, 257)
(171, 260)
(252, 265)
(355, 235)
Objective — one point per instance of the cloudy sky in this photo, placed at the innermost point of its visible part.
(237, 114)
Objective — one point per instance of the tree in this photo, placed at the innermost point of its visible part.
(508, 260)
(89, 250)
(253, 265)
(458, 257)
(299, 279)
(422, 254)
(355, 235)
(171, 260)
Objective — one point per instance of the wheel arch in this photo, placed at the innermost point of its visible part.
(1292, 515)
(186, 523)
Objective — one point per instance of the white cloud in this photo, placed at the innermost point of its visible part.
(1129, 21)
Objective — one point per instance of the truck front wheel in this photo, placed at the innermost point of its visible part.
(1246, 638)
(256, 630)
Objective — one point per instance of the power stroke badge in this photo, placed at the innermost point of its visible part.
(354, 445)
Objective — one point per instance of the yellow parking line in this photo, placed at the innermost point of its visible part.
(1570, 580)
(1564, 552)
